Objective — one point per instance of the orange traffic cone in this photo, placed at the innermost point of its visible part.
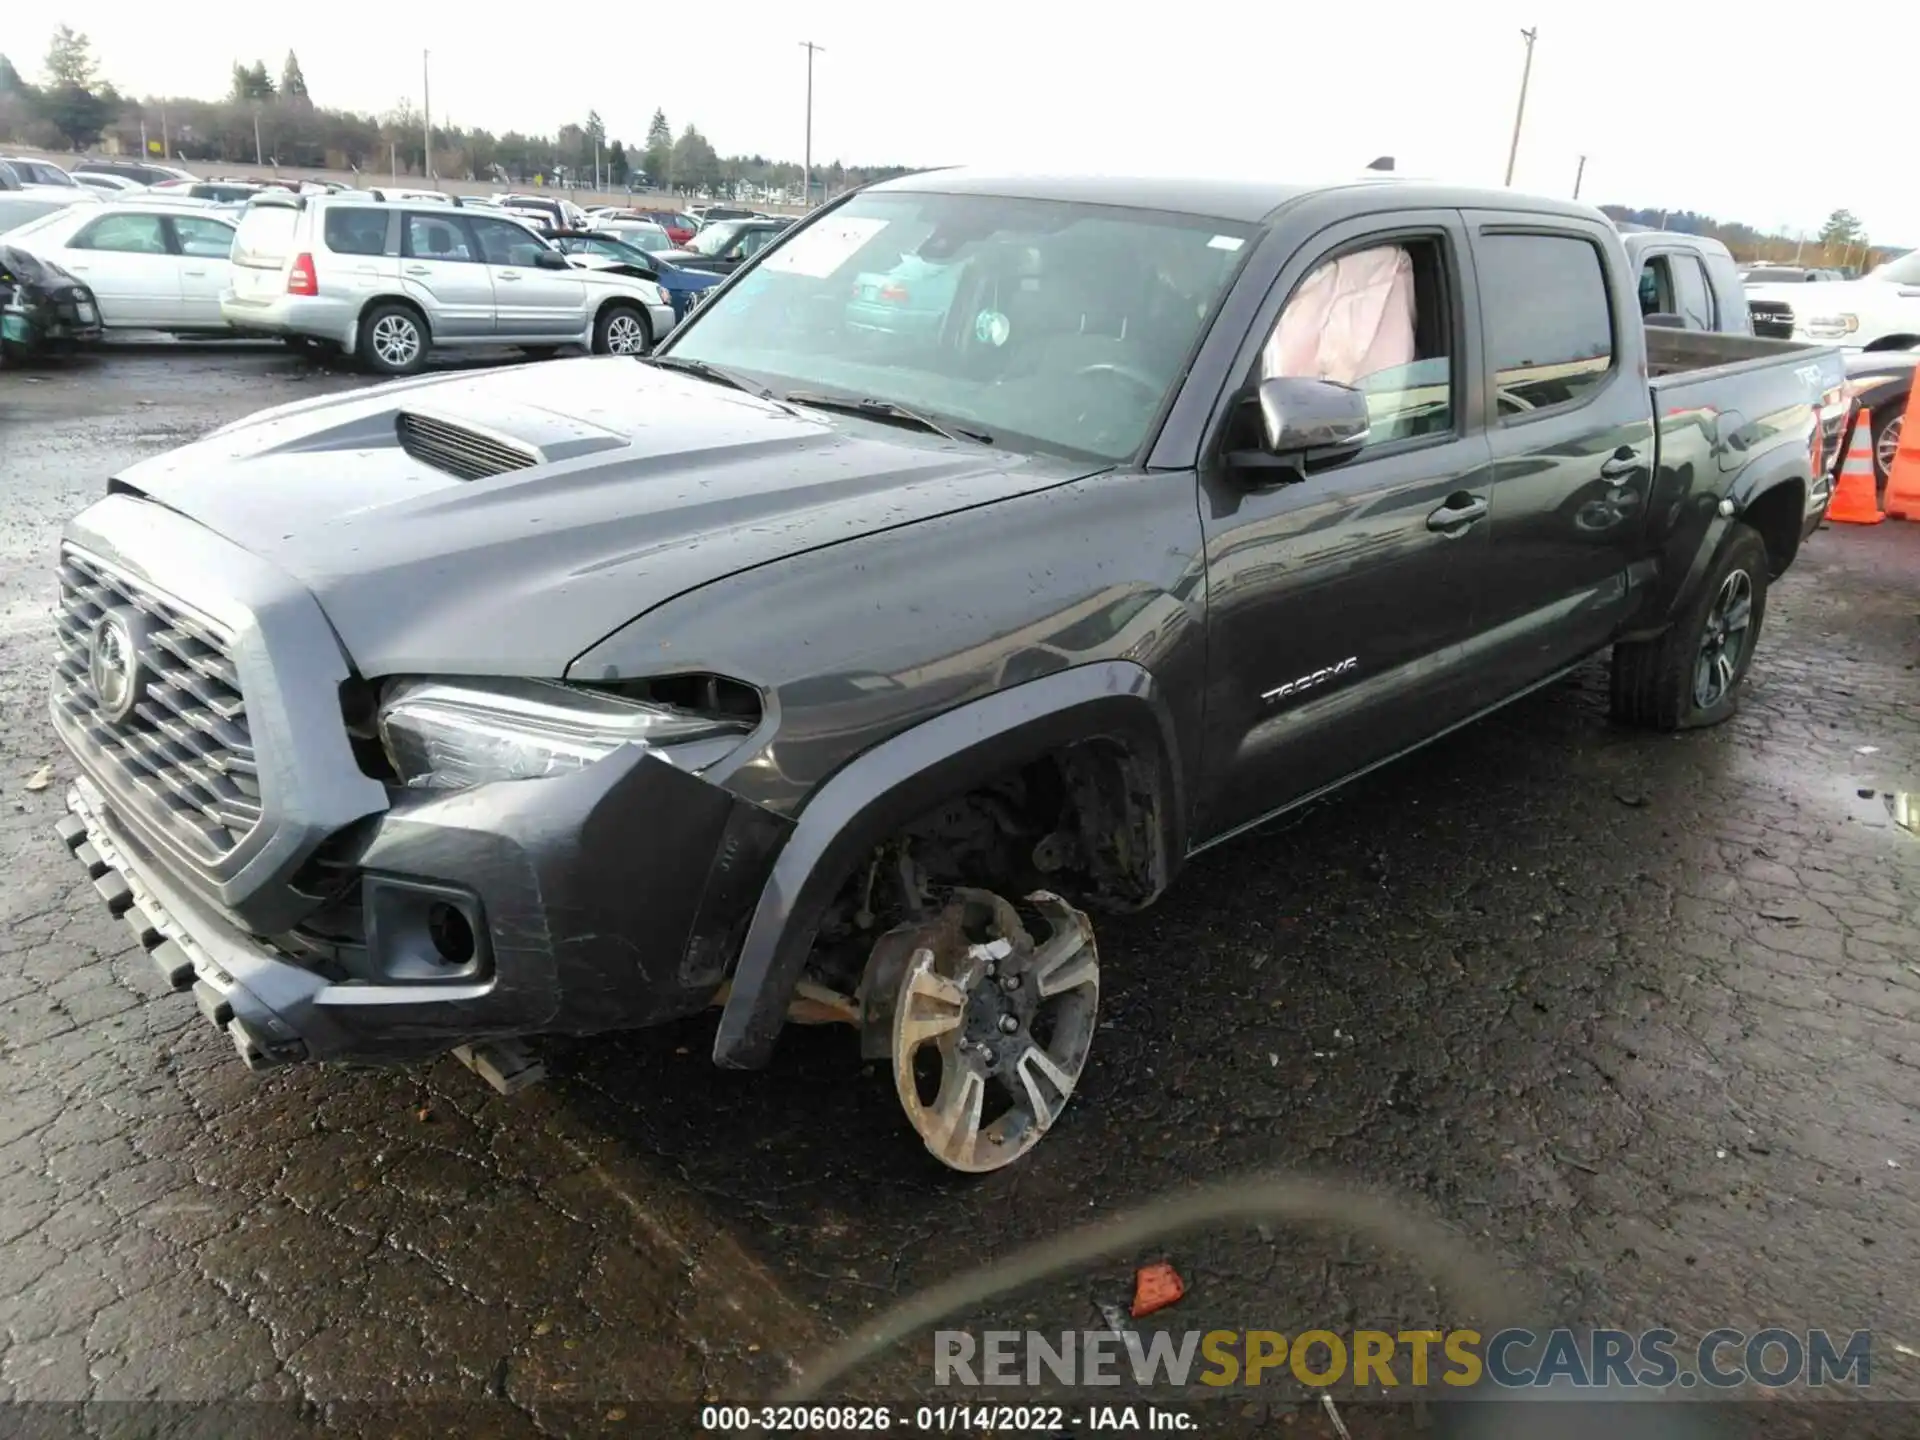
(1855, 490)
(1903, 479)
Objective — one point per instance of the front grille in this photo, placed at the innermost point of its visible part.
(1772, 319)
(184, 755)
(458, 450)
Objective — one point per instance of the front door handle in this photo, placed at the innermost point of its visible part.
(1623, 464)
(1459, 512)
(506, 275)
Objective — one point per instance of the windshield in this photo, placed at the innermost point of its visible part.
(612, 249)
(1904, 271)
(715, 238)
(1064, 326)
(17, 211)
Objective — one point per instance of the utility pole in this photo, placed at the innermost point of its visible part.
(1578, 175)
(806, 183)
(1519, 113)
(259, 155)
(426, 116)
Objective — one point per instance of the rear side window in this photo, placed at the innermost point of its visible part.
(352, 231)
(435, 237)
(265, 236)
(1549, 327)
(1693, 301)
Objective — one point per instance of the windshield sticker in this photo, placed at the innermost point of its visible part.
(1225, 242)
(990, 327)
(825, 246)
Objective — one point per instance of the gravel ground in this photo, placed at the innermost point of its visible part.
(1633, 1016)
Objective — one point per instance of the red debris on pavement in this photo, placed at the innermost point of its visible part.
(1155, 1287)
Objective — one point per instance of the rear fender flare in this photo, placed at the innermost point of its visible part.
(899, 779)
(1786, 466)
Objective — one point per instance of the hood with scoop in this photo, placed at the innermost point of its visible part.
(502, 523)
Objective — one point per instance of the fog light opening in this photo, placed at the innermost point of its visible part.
(452, 936)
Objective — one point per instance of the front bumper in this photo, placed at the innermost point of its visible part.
(608, 899)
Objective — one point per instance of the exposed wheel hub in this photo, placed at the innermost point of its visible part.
(991, 1026)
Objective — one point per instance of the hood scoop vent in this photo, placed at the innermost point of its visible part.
(459, 449)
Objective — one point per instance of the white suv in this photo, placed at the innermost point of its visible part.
(390, 280)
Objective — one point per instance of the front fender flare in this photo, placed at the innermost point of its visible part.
(883, 789)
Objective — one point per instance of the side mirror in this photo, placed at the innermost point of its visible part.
(550, 260)
(1303, 421)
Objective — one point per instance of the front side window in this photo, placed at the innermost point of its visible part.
(1375, 319)
(203, 238)
(1048, 324)
(1548, 323)
(125, 234)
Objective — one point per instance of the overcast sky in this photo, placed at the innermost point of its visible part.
(1685, 104)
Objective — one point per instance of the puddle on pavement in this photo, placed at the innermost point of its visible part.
(1904, 806)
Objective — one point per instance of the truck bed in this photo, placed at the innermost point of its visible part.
(1680, 352)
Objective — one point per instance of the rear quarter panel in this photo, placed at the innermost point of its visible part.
(1732, 433)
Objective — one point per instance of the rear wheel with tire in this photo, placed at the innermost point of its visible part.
(1886, 441)
(622, 330)
(393, 340)
(1692, 675)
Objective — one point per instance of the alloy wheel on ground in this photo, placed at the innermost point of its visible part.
(1723, 646)
(396, 340)
(1887, 445)
(991, 1027)
(626, 335)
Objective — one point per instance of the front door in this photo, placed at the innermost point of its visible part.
(441, 268)
(1340, 603)
(529, 302)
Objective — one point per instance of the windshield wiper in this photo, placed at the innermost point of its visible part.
(877, 409)
(702, 370)
(706, 372)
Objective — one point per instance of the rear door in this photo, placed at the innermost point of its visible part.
(1570, 423)
(204, 246)
(529, 302)
(134, 274)
(441, 269)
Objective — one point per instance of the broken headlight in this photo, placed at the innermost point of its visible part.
(449, 735)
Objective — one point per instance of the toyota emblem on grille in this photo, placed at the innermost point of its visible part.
(113, 664)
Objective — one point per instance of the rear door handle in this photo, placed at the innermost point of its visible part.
(1458, 513)
(418, 270)
(1620, 466)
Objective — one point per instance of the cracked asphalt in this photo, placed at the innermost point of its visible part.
(1633, 1016)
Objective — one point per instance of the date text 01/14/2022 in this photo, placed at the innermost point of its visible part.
(1047, 1420)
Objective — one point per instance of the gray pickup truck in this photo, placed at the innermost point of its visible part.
(981, 551)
